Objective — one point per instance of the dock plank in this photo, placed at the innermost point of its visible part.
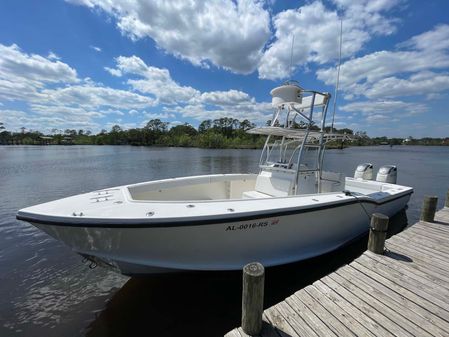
(407, 327)
(434, 270)
(425, 247)
(397, 301)
(423, 290)
(368, 308)
(404, 292)
(422, 272)
(347, 320)
(315, 306)
(309, 316)
(352, 310)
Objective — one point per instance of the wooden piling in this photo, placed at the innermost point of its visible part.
(446, 204)
(252, 298)
(429, 208)
(378, 233)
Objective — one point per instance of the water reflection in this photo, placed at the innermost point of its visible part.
(209, 304)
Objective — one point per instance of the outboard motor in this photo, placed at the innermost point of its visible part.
(387, 174)
(364, 171)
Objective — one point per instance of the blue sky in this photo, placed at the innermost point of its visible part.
(90, 64)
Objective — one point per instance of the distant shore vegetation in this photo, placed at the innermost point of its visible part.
(219, 133)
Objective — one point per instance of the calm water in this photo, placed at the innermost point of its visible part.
(45, 289)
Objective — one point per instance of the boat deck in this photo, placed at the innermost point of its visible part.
(402, 293)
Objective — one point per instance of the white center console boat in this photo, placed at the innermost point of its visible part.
(291, 210)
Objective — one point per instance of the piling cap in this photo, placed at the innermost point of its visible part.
(254, 269)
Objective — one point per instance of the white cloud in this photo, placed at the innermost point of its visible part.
(372, 74)
(22, 74)
(422, 83)
(15, 63)
(228, 34)
(113, 72)
(224, 98)
(390, 108)
(52, 56)
(92, 97)
(255, 112)
(52, 90)
(97, 49)
(186, 100)
(15, 119)
(154, 81)
(164, 115)
(316, 31)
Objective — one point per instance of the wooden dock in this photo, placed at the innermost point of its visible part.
(404, 292)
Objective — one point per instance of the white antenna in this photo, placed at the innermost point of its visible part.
(338, 76)
(291, 57)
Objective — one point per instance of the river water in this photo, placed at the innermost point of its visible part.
(45, 289)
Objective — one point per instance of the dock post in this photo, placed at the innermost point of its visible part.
(429, 208)
(446, 204)
(252, 298)
(378, 233)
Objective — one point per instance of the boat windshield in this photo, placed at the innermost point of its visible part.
(283, 153)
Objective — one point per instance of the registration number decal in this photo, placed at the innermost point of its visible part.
(252, 225)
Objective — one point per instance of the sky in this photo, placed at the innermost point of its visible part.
(91, 64)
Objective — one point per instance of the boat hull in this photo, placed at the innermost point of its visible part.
(224, 245)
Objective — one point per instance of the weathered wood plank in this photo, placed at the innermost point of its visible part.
(423, 272)
(415, 244)
(382, 307)
(369, 309)
(297, 321)
(310, 317)
(431, 246)
(441, 226)
(356, 312)
(439, 233)
(351, 323)
(233, 333)
(422, 290)
(422, 254)
(270, 330)
(427, 264)
(428, 235)
(401, 290)
(415, 312)
(277, 320)
(437, 246)
(324, 315)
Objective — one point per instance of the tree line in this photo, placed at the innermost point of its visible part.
(218, 133)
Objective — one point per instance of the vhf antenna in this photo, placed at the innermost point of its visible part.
(291, 57)
(338, 76)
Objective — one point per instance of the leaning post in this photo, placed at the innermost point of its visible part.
(446, 204)
(378, 233)
(252, 298)
(429, 208)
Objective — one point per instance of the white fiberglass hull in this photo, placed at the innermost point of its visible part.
(276, 236)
